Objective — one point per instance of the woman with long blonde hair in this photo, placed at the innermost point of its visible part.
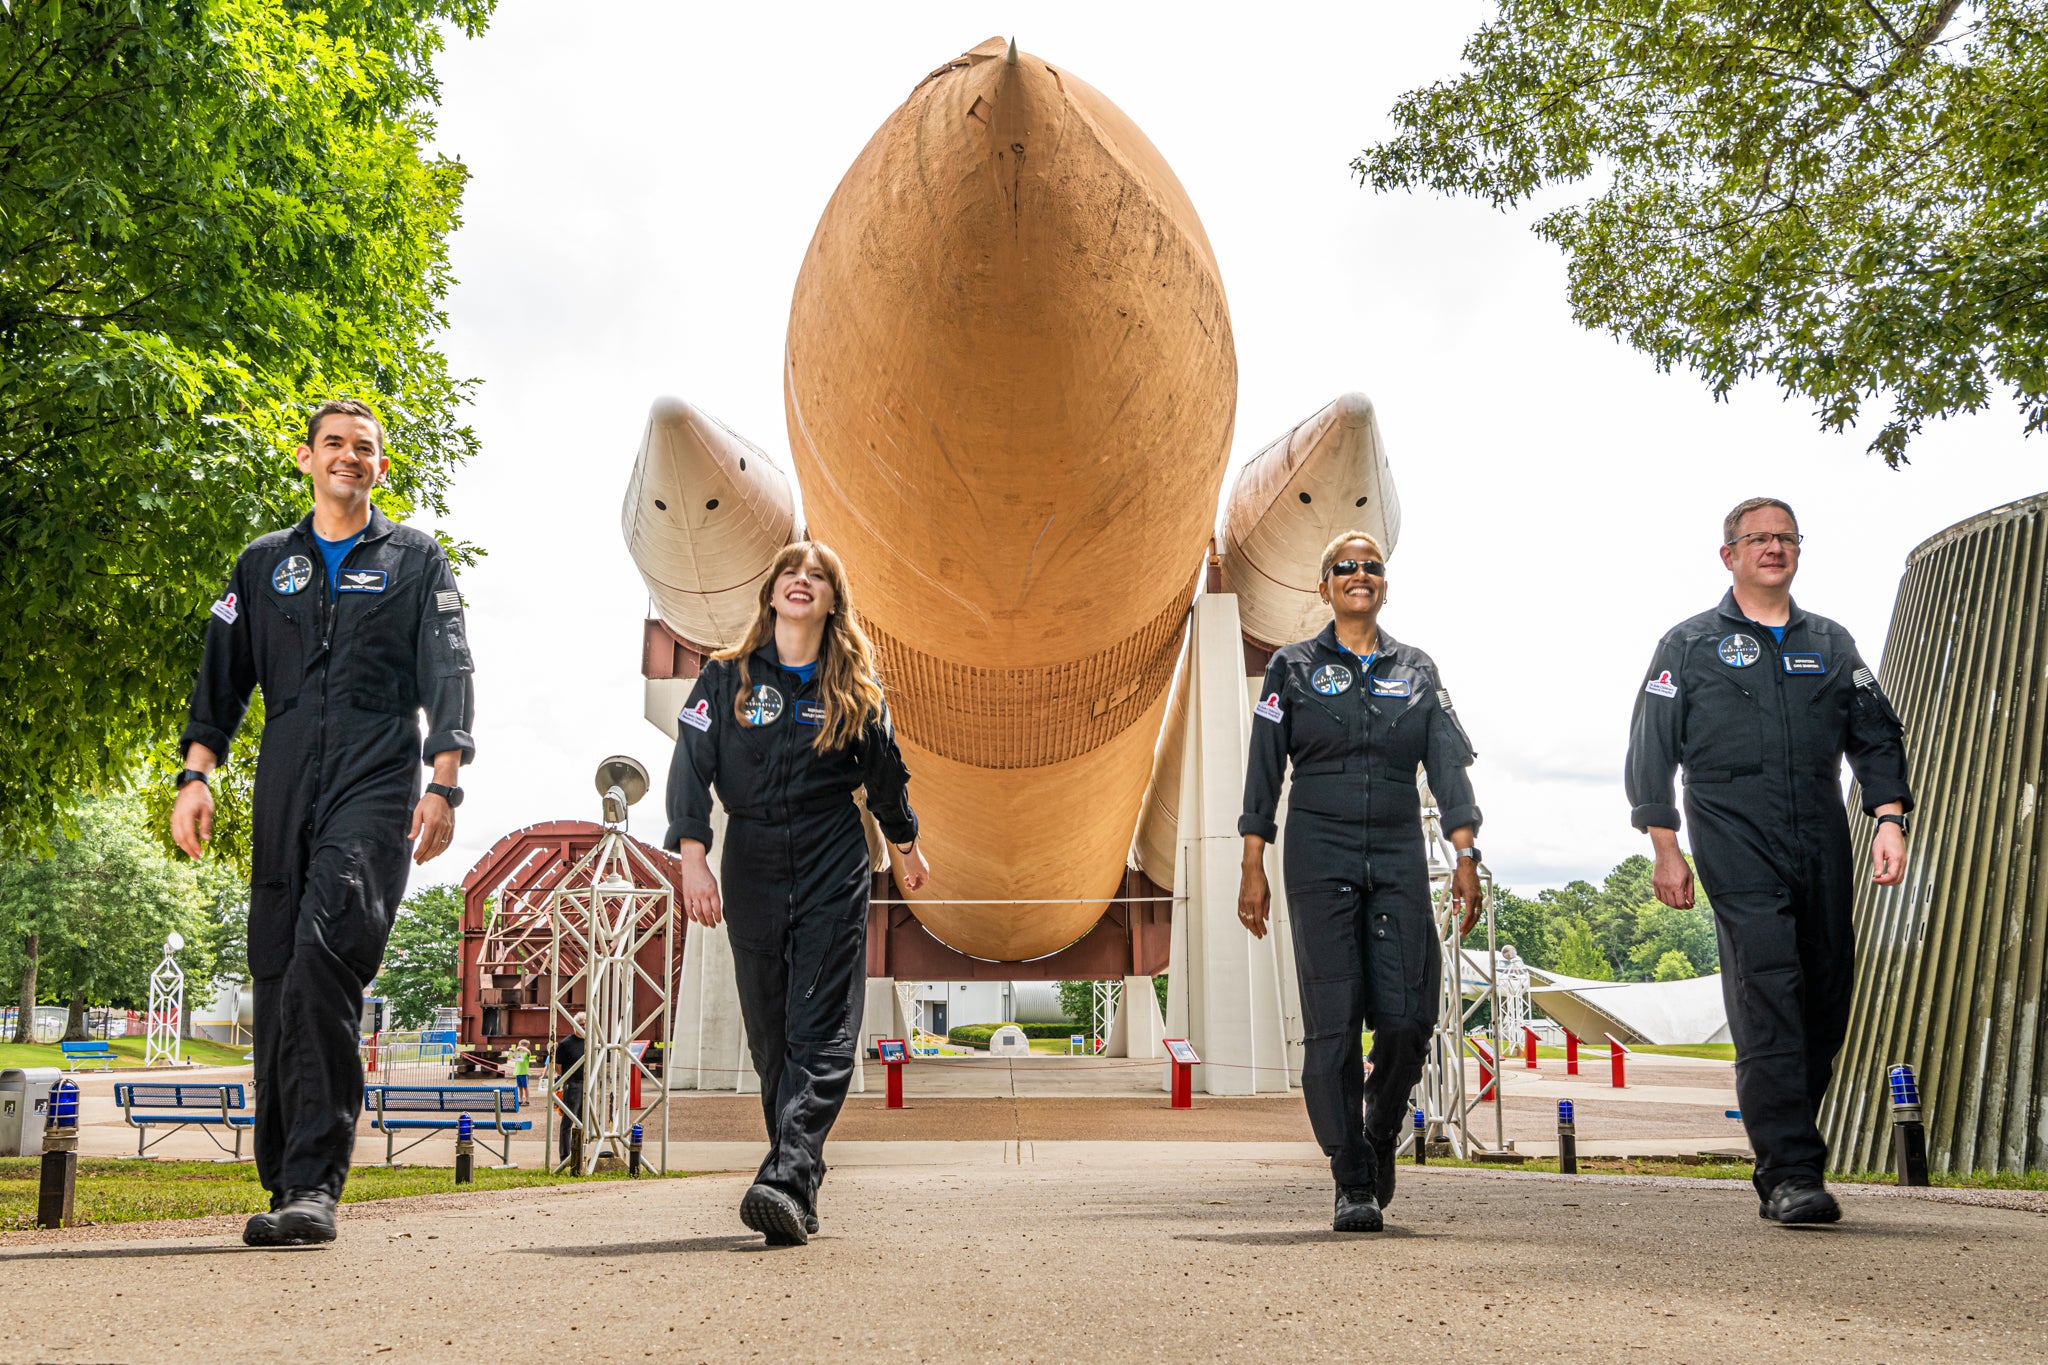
(786, 725)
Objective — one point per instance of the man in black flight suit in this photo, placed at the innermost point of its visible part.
(352, 625)
(1759, 702)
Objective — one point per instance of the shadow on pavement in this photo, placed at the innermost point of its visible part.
(128, 1250)
(739, 1242)
(1285, 1237)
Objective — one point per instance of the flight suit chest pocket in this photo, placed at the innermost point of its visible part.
(1723, 726)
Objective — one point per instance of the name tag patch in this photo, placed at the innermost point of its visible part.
(1331, 679)
(1392, 687)
(360, 580)
(1269, 709)
(697, 717)
(1805, 663)
(810, 713)
(226, 610)
(1661, 685)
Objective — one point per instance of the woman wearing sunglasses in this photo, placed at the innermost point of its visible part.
(1355, 712)
(787, 724)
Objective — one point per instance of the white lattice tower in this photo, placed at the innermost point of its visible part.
(166, 1008)
(1513, 976)
(1107, 995)
(1441, 1094)
(601, 915)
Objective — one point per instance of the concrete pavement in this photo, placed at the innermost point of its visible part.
(1060, 1251)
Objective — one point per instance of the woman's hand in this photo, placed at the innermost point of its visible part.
(916, 872)
(700, 888)
(1465, 893)
(1254, 892)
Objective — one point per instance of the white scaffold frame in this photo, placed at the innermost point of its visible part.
(162, 1046)
(1447, 1107)
(600, 918)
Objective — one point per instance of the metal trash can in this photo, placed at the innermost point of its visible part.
(25, 1108)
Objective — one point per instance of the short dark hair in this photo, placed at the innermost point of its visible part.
(344, 407)
(1732, 523)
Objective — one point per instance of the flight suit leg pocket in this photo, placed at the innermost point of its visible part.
(272, 912)
(352, 894)
(1394, 948)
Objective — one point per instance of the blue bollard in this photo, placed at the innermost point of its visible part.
(1909, 1134)
(1421, 1139)
(633, 1153)
(465, 1149)
(1567, 1139)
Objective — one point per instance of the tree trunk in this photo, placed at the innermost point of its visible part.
(74, 1026)
(25, 1027)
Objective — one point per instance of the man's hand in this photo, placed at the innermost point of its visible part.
(192, 818)
(433, 826)
(1254, 892)
(1672, 879)
(916, 871)
(700, 888)
(1465, 893)
(1887, 856)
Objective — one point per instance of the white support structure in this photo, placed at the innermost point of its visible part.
(601, 919)
(1138, 1028)
(711, 1039)
(1225, 989)
(163, 1046)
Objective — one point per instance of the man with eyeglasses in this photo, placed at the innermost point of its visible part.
(1759, 702)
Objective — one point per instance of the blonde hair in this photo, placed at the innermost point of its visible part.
(1335, 547)
(846, 657)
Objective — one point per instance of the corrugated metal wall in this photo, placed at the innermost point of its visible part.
(1949, 971)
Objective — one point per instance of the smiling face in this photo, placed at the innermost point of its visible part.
(1358, 593)
(346, 459)
(1758, 559)
(803, 592)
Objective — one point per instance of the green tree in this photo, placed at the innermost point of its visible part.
(84, 923)
(1578, 953)
(1662, 931)
(1523, 922)
(1674, 966)
(1842, 195)
(423, 959)
(213, 214)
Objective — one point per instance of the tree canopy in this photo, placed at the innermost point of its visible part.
(1616, 931)
(1843, 195)
(213, 214)
(421, 961)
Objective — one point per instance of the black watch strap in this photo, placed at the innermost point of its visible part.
(1898, 820)
(190, 775)
(452, 795)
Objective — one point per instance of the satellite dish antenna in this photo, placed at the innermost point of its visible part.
(621, 781)
(175, 943)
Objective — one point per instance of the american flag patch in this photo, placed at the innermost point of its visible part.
(447, 599)
(1864, 679)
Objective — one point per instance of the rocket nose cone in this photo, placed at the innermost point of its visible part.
(1352, 410)
(669, 411)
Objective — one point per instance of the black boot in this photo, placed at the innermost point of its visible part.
(306, 1218)
(1800, 1200)
(776, 1215)
(1389, 1168)
(1357, 1210)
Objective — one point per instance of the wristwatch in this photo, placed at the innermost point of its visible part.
(190, 775)
(905, 849)
(452, 795)
(1898, 820)
(1472, 853)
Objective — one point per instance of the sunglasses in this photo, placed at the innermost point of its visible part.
(1344, 568)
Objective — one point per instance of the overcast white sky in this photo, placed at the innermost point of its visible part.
(646, 177)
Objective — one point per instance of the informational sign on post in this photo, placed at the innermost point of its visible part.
(1182, 1051)
(892, 1051)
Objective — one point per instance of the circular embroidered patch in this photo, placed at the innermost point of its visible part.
(1740, 651)
(1331, 679)
(764, 705)
(291, 575)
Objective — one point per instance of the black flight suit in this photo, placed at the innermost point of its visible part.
(794, 882)
(1357, 875)
(344, 678)
(1761, 729)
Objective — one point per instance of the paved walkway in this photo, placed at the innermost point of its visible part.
(1113, 1251)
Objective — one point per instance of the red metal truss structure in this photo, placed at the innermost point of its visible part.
(507, 937)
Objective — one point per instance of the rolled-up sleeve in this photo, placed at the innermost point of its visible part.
(1654, 735)
(695, 765)
(1876, 743)
(227, 672)
(443, 665)
(1448, 755)
(1266, 764)
(886, 781)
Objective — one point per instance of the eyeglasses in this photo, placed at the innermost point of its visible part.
(1762, 539)
(1344, 568)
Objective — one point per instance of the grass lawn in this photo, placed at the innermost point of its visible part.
(112, 1191)
(129, 1050)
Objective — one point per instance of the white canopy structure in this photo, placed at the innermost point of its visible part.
(1655, 1012)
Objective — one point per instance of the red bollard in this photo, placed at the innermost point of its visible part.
(373, 1050)
(1619, 1055)
(893, 1053)
(1182, 1054)
(1571, 1053)
(633, 1088)
(1486, 1069)
(1529, 1047)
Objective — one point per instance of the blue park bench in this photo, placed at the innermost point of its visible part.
(172, 1105)
(431, 1109)
(79, 1054)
